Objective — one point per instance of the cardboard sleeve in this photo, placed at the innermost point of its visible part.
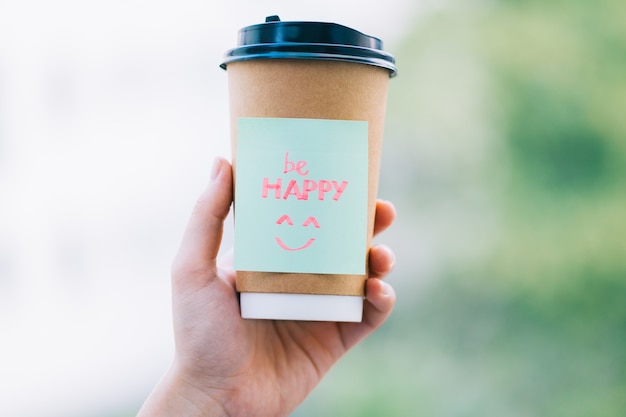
(293, 88)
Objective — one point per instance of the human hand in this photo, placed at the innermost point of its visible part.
(227, 366)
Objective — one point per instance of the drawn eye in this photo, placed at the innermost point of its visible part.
(311, 220)
(284, 218)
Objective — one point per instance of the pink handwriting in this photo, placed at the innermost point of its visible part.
(285, 218)
(294, 166)
(285, 247)
(310, 220)
(302, 191)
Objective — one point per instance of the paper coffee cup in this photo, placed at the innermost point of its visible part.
(307, 107)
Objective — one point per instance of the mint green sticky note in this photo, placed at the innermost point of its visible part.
(301, 196)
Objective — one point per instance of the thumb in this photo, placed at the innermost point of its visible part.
(203, 235)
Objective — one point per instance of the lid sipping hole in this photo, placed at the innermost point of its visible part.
(273, 18)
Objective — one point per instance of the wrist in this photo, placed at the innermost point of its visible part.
(174, 396)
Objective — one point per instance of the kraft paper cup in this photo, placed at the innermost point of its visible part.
(306, 99)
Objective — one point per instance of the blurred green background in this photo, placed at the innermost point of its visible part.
(505, 154)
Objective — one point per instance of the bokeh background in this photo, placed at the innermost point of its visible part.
(505, 154)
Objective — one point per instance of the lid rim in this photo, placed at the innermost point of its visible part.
(380, 63)
(319, 51)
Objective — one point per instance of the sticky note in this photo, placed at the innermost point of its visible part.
(301, 195)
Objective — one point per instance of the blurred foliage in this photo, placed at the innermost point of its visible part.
(506, 157)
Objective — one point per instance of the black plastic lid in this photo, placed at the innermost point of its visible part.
(308, 40)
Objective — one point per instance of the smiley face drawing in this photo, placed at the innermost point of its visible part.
(311, 220)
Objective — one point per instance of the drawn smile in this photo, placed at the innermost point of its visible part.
(310, 221)
(285, 247)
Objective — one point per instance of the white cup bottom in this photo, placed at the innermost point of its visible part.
(308, 307)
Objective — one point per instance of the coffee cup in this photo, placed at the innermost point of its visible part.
(307, 109)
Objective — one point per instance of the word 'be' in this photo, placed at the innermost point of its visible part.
(301, 190)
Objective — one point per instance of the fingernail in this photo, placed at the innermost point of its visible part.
(392, 256)
(215, 170)
(385, 288)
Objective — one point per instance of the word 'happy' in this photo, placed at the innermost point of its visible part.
(301, 190)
